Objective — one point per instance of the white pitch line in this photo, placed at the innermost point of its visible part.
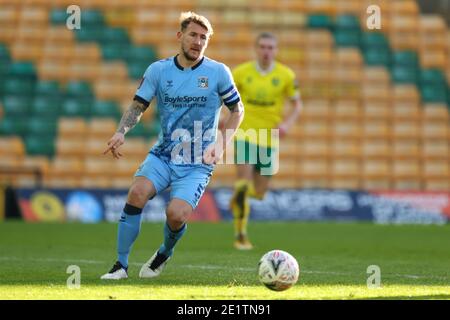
(212, 267)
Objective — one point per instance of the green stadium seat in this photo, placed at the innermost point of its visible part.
(374, 40)
(319, 21)
(76, 89)
(58, 16)
(40, 145)
(17, 106)
(47, 88)
(92, 18)
(405, 58)
(17, 86)
(433, 93)
(114, 35)
(75, 108)
(13, 126)
(136, 69)
(4, 53)
(347, 38)
(143, 54)
(42, 126)
(377, 57)
(347, 21)
(24, 69)
(432, 76)
(88, 34)
(48, 106)
(404, 75)
(106, 109)
(114, 51)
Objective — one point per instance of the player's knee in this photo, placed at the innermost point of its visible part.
(178, 215)
(138, 195)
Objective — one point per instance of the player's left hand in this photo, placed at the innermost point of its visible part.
(212, 154)
(283, 130)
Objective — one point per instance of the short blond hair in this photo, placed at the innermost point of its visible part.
(189, 16)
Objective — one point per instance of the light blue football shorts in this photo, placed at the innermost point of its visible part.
(187, 182)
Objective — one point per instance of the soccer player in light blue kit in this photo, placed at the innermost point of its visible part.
(189, 89)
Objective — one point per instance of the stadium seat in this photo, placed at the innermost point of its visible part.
(16, 106)
(49, 107)
(114, 51)
(12, 145)
(106, 109)
(77, 89)
(42, 126)
(101, 128)
(75, 108)
(405, 74)
(319, 21)
(74, 147)
(347, 38)
(40, 145)
(72, 128)
(13, 126)
(433, 93)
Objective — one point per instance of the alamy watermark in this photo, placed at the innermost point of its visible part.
(374, 280)
(74, 280)
(73, 21)
(374, 20)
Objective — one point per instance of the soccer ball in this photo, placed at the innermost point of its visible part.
(278, 270)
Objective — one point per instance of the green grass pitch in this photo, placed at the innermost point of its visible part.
(333, 258)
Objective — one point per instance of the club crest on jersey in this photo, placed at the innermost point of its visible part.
(275, 81)
(203, 82)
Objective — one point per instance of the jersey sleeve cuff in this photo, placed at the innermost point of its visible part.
(141, 100)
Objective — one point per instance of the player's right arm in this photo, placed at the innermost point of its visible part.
(144, 94)
(129, 119)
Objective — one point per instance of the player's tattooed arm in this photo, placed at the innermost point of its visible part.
(131, 116)
(236, 108)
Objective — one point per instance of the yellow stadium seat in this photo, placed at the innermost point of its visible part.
(94, 181)
(40, 163)
(439, 130)
(314, 129)
(101, 128)
(436, 168)
(373, 76)
(99, 165)
(62, 182)
(435, 112)
(376, 174)
(74, 147)
(347, 109)
(12, 145)
(347, 128)
(435, 149)
(289, 148)
(121, 182)
(314, 173)
(437, 184)
(406, 129)
(377, 128)
(377, 110)
(406, 149)
(316, 109)
(75, 128)
(346, 148)
(434, 58)
(354, 7)
(404, 7)
(66, 166)
(376, 148)
(314, 148)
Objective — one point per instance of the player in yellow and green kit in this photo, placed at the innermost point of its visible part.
(264, 85)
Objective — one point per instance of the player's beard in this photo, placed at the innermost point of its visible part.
(188, 56)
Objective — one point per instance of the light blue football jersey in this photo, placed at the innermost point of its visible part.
(188, 102)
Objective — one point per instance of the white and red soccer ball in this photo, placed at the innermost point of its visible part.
(278, 270)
